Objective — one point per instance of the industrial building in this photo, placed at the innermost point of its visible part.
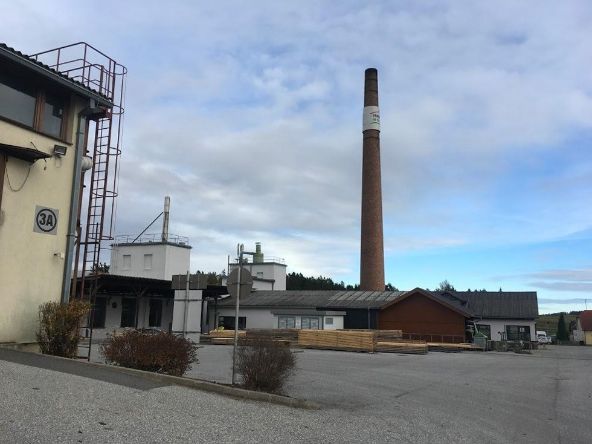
(50, 112)
(430, 315)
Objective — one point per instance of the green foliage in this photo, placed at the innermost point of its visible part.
(59, 327)
(265, 365)
(446, 286)
(153, 351)
(297, 281)
(562, 333)
(550, 322)
(101, 268)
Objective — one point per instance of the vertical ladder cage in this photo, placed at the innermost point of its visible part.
(83, 63)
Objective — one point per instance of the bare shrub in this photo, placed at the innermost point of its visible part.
(59, 327)
(153, 351)
(264, 364)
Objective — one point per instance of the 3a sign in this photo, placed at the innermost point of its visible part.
(46, 220)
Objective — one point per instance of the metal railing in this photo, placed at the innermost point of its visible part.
(150, 238)
(449, 339)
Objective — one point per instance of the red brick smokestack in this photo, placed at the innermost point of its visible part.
(372, 249)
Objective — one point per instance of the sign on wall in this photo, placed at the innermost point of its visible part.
(46, 220)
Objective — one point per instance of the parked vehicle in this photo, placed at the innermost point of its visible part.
(543, 338)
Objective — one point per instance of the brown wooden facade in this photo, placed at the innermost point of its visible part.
(418, 315)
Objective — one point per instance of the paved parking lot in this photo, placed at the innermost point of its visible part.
(466, 397)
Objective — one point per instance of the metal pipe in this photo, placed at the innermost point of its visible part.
(240, 248)
(74, 199)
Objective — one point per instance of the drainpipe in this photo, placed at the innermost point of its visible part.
(90, 110)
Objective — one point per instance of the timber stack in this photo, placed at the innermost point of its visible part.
(348, 340)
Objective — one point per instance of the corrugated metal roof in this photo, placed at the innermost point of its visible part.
(501, 304)
(42, 68)
(512, 305)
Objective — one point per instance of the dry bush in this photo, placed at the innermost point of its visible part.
(59, 327)
(264, 365)
(153, 351)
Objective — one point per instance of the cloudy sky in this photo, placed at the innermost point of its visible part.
(248, 114)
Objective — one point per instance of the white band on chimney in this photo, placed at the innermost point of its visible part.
(371, 118)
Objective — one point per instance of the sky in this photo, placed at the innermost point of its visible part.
(249, 115)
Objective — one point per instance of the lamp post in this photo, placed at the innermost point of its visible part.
(239, 252)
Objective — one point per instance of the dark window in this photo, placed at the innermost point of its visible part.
(228, 322)
(17, 102)
(100, 312)
(128, 312)
(484, 329)
(309, 323)
(24, 101)
(518, 332)
(155, 316)
(53, 115)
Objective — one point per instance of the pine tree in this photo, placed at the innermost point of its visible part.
(562, 333)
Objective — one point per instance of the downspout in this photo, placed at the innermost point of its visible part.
(74, 196)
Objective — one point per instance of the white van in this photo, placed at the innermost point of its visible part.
(543, 338)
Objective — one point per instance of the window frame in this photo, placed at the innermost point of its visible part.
(40, 99)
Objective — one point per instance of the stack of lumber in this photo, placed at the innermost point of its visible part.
(388, 335)
(285, 335)
(352, 340)
(223, 337)
(406, 346)
(449, 347)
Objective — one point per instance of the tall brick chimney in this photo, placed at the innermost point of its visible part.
(372, 248)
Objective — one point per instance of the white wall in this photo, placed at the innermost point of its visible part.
(188, 307)
(167, 260)
(266, 270)
(499, 325)
(264, 318)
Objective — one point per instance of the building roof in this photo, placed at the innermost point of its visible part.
(48, 72)
(501, 304)
(484, 304)
(586, 320)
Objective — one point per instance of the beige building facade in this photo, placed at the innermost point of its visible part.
(43, 117)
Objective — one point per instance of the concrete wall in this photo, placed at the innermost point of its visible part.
(187, 313)
(32, 264)
(166, 260)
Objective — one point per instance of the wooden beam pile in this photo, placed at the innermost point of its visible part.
(350, 340)
(446, 347)
(285, 335)
(402, 346)
(224, 337)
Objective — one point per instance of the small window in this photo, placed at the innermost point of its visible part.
(127, 261)
(53, 115)
(484, 329)
(286, 322)
(260, 274)
(328, 321)
(147, 262)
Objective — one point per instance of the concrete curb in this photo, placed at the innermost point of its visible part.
(196, 384)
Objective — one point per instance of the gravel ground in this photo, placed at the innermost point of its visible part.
(466, 397)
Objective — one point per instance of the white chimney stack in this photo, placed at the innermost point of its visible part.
(165, 219)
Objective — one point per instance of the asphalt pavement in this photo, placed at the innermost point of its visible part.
(471, 397)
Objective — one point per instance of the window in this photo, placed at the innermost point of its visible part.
(309, 323)
(147, 262)
(485, 329)
(260, 274)
(28, 105)
(328, 321)
(155, 316)
(127, 261)
(286, 322)
(517, 332)
(17, 101)
(99, 312)
(128, 312)
(228, 322)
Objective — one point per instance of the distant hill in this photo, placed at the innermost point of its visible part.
(548, 322)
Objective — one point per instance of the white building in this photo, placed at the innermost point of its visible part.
(268, 273)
